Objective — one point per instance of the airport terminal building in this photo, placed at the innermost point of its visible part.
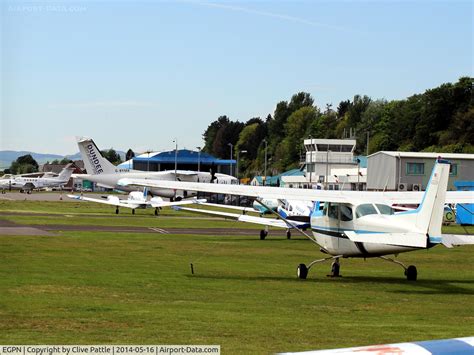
(411, 171)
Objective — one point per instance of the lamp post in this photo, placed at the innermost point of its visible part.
(176, 159)
(265, 169)
(231, 151)
(327, 167)
(199, 158)
(310, 160)
(237, 166)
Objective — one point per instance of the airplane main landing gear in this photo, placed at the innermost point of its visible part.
(288, 234)
(302, 270)
(117, 210)
(133, 210)
(263, 234)
(410, 272)
(156, 211)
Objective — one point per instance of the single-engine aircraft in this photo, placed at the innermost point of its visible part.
(362, 224)
(290, 214)
(136, 199)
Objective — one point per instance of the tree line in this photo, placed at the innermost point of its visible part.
(440, 119)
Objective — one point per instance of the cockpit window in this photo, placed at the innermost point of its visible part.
(365, 209)
(384, 209)
(346, 213)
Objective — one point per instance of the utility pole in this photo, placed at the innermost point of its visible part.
(310, 161)
(327, 167)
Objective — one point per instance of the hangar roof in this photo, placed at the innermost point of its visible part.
(185, 157)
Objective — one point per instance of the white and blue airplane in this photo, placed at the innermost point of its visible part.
(290, 214)
(136, 199)
(354, 224)
(458, 346)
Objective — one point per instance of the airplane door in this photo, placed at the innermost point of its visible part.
(333, 223)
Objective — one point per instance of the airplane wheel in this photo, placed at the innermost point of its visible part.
(302, 271)
(263, 234)
(116, 211)
(156, 211)
(411, 273)
(288, 235)
(133, 211)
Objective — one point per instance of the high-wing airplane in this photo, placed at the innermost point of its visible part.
(458, 346)
(290, 214)
(362, 224)
(28, 184)
(105, 174)
(136, 199)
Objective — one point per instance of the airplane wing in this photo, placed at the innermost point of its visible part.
(114, 201)
(243, 190)
(410, 239)
(267, 192)
(245, 218)
(450, 240)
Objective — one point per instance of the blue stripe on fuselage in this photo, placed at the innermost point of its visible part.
(449, 346)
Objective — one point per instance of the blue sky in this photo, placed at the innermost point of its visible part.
(138, 74)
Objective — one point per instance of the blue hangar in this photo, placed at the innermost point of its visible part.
(185, 159)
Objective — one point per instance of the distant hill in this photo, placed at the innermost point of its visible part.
(8, 156)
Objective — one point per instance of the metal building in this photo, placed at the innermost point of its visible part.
(411, 171)
(185, 160)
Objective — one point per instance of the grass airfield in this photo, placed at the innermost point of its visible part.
(100, 287)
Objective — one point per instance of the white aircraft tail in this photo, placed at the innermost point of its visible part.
(429, 215)
(66, 173)
(94, 162)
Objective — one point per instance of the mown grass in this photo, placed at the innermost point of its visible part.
(131, 288)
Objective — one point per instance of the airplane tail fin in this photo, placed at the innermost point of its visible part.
(94, 162)
(429, 217)
(66, 173)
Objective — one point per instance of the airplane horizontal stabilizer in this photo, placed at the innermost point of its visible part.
(416, 240)
(451, 240)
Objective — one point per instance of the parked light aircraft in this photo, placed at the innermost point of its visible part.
(28, 184)
(105, 174)
(136, 199)
(291, 214)
(362, 224)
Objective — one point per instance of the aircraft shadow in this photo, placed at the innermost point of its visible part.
(424, 287)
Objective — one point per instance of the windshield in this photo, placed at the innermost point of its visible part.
(365, 209)
(384, 209)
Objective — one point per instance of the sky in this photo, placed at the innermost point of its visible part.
(141, 74)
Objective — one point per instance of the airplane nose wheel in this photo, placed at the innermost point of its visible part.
(263, 234)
